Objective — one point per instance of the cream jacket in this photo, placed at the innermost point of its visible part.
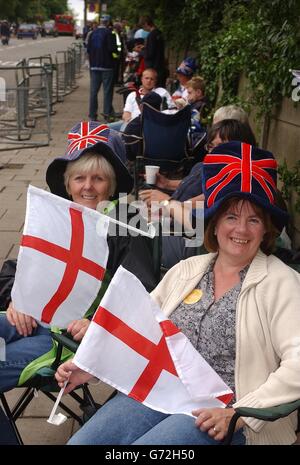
(267, 365)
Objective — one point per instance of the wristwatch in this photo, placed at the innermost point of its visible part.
(165, 203)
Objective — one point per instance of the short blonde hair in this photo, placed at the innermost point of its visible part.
(91, 161)
(196, 83)
(230, 112)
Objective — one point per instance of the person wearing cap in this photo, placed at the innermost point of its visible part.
(90, 176)
(239, 307)
(184, 73)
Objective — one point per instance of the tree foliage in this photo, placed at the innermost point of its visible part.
(31, 10)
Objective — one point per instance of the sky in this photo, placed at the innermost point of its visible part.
(77, 7)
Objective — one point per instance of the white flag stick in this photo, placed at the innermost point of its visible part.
(57, 418)
(151, 229)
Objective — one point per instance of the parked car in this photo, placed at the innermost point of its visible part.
(49, 29)
(28, 30)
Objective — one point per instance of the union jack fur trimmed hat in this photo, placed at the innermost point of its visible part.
(236, 169)
(83, 137)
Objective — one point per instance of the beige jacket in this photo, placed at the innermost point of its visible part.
(267, 365)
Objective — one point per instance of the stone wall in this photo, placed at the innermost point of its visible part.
(280, 133)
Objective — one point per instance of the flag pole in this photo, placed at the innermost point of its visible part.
(151, 228)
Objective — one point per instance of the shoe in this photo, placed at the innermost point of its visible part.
(110, 119)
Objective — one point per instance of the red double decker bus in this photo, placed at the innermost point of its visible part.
(65, 24)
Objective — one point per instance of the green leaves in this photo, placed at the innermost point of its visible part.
(290, 178)
(31, 10)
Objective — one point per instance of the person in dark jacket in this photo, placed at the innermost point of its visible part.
(101, 45)
(154, 51)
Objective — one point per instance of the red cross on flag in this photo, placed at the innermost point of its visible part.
(132, 346)
(62, 259)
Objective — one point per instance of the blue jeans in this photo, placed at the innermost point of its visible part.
(20, 351)
(118, 125)
(124, 421)
(96, 79)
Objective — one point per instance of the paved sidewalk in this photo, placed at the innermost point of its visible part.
(18, 169)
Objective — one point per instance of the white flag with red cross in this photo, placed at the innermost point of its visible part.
(132, 346)
(62, 259)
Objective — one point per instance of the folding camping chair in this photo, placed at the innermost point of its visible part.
(42, 380)
(165, 142)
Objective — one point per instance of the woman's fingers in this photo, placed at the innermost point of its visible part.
(25, 324)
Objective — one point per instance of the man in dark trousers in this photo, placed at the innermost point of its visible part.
(154, 51)
(100, 47)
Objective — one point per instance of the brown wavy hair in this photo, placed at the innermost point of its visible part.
(268, 244)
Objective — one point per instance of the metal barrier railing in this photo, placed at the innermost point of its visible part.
(26, 98)
(72, 66)
(47, 63)
(79, 57)
(32, 87)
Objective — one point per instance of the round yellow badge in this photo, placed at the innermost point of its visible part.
(193, 297)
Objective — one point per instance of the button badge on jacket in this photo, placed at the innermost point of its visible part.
(193, 297)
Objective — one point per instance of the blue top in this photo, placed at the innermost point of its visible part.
(191, 185)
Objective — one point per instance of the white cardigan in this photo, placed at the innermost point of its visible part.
(267, 365)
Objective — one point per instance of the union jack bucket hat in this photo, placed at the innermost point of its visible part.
(83, 137)
(237, 169)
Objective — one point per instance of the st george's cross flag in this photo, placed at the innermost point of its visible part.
(132, 346)
(62, 259)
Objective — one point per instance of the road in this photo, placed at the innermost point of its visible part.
(27, 48)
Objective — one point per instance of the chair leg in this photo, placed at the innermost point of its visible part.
(22, 403)
(10, 418)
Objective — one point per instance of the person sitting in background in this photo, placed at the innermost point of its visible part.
(184, 73)
(196, 94)
(230, 112)
(176, 248)
(135, 64)
(87, 176)
(131, 109)
(239, 307)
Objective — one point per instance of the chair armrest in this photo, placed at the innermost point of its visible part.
(66, 341)
(265, 414)
(269, 413)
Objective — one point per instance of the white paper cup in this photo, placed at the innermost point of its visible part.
(151, 172)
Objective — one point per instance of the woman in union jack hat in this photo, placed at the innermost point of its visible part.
(239, 307)
(91, 171)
